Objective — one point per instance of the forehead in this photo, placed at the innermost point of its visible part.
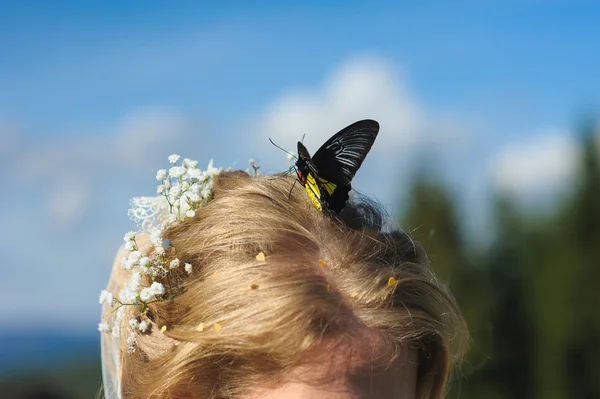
(395, 382)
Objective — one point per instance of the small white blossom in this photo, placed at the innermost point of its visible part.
(160, 189)
(174, 263)
(188, 268)
(173, 158)
(161, 175)
(146, 294)
(133, 323)
(194, 197)
(195, 174)
(160, 250)
(129, 236)
(134, 257)
(130, 246)
(177, 171)
(126, 263)
(104, 327)
(157, 288)
(134, 283)
(143, 326)
(131, 342)
(175, 193)
(171, 219)
(145, 261)
(156, 238)
(189, 163)
(127, 296)
(190, 214)
(195, 188)
(106, 297)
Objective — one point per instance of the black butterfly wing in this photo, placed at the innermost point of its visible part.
(342, 155)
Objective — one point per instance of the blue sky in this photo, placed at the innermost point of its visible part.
(95, 95)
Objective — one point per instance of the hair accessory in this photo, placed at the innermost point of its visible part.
(328, 174)
(183, 189)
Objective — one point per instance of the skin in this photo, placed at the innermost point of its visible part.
(397, 382)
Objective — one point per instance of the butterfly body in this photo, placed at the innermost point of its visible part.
(327, 175)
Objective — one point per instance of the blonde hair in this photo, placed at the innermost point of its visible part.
(239, 321)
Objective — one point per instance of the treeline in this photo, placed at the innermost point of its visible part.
(532, 297)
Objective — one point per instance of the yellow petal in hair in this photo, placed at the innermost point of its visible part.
(253, 286)
(322, 262)
(353, 294)
(260, 257)
(217, 327)
(392, 282)
(200, 327)
(163, 329)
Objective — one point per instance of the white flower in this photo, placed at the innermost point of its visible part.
(171, 219)
(194, 197)
(160, 189)
(159, 250)
(189, 163)
(190, 214)
(104, 327)
(130, 246)
(134, 283)
(129, 236)
(126, 264)
(174, 263)
(156, 238)
(146, 294)
(188, 268)
(127, 296)
(212, 171)
(162, 174)
(143, 326)
(195, 174)
(195, 188)
(157, 288)
(133, 323)
(173, 158)
(106, 297)
(177, 171)
(145, 261)
(175, 193)
(131, 342)
(134, 257)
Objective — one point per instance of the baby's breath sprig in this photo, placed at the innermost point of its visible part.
(183, 189)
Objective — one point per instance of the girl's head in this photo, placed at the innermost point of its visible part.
(285, 302)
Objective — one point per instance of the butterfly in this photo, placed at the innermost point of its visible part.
(327, 174)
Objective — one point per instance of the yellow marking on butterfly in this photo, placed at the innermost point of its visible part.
(260, 257)
(217, 327)
(163, 329)
(322, 262)
(392, 281)
(253, 286)
(353, 294)
(200, 327)
(329, 186)
(313, 191)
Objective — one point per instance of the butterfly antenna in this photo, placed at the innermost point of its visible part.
(287, 152)
(290, 193)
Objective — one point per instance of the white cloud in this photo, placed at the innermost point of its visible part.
(97, 160)
(538, 166)
(362, 87)
(68, 200)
